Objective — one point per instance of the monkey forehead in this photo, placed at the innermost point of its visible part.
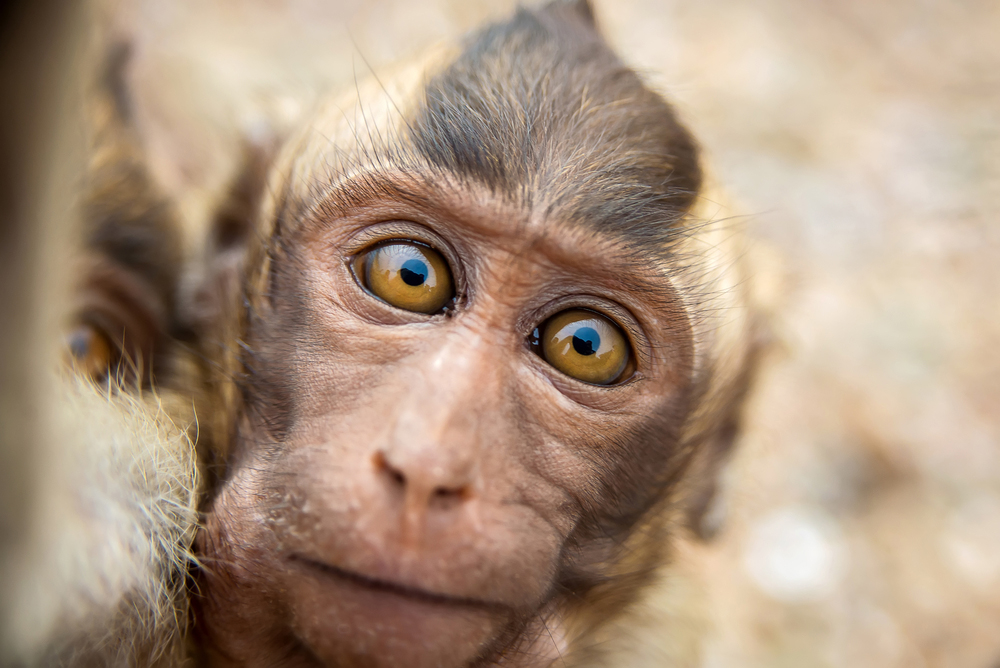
(538, 110)
(541, 110)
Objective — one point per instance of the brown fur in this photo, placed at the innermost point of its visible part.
(101, 577)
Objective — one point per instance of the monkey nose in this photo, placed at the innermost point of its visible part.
(423, 483)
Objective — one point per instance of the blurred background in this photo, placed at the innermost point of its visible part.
(859, 523)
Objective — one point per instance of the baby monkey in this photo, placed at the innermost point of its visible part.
(478, 356)
(477, 362)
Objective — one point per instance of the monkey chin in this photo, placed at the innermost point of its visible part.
(312, 614)
(347, 619)
(289, 609)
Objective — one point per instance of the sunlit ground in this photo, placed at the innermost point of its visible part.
(861, 515)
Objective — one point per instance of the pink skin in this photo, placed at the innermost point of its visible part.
(433, 468)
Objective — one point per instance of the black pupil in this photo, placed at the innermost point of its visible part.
(414, 272)
(586, 341)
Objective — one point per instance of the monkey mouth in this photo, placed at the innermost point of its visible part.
(384, 586)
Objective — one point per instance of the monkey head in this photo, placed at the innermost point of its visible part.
(468, 363)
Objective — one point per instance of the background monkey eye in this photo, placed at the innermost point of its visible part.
(587, 346)
(407, 275)
(90, 350)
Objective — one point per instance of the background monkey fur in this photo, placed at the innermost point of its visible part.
(98, 578)
(176, 347)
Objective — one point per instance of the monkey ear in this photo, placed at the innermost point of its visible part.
(704, 499)
(585, 10)
(234, 220)
(234, 223)
(580, 9)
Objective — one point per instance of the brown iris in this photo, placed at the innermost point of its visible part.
(587, 346)
(407, 275)
(90, 350)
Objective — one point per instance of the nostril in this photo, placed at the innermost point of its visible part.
(420, 481)
(382, 464)
(452, 493)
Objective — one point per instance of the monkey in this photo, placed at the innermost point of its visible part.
(485, 333)
(460, 362)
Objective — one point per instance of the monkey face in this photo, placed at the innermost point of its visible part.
(419, 483)
(467, 363)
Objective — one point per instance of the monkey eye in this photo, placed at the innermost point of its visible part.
(407, 275)
(585, 345)
(90, 350)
